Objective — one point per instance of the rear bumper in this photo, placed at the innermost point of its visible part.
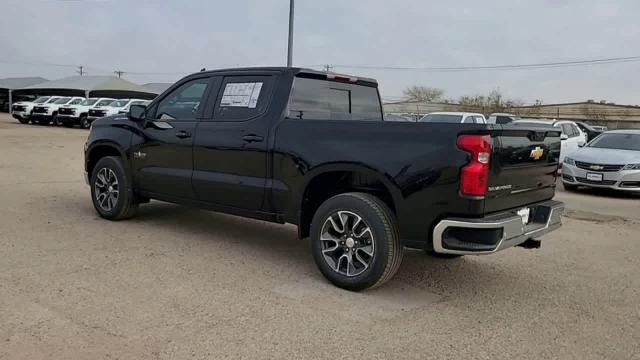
(460, 236)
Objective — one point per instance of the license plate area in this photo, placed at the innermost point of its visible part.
(525, 215)
(594, 177)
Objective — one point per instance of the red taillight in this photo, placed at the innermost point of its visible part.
(474, 175)
(341, 78)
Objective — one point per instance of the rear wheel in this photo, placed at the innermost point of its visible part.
(354, 240)
(84, 122)
(110, 190)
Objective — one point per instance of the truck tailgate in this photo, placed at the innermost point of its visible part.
(524, 166)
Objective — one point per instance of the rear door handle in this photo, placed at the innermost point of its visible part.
(252, 138)
(183, 134)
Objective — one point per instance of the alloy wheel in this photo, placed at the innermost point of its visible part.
(106, 189)
(347, 243)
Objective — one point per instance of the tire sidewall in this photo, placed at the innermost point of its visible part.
(371, 217)
(114, 164)
(84, 122)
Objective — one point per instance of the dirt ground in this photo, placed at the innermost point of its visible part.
(180, 283)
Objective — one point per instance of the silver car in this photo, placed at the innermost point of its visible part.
(611, 160)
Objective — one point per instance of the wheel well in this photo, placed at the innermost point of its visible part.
(329, 184)
(98, 153)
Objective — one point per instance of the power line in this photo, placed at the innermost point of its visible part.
(508, 67)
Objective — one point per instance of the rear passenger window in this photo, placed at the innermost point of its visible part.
(327, 100)
(243, 97)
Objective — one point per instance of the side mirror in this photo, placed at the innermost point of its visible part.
(137, 112)
(581, 145)
(564, 137)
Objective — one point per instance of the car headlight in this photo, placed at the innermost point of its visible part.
(632, 167)
(569, 161)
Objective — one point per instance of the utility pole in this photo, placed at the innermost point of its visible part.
(81, 70)
(328, 68)
(290, 46)
(119, 73)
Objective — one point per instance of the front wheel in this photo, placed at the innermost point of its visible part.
(57, 121)
(354, 240)
(110, 192)
(23, 120)
(84, 122)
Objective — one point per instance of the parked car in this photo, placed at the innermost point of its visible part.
(107, 109)
(591, 131)
(79, 114)
(454, 117)
(612, 160)
(257, 142)
(502, 118)
(572, 137)
(21, 110)
(48, 112)
(125, 109)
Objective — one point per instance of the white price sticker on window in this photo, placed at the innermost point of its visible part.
(241, 95)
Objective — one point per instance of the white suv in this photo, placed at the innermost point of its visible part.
(48, 112)
(21, 110)
(79, 114)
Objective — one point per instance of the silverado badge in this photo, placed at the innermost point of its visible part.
(536, 153)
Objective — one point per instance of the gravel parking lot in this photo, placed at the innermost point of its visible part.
(179, 283)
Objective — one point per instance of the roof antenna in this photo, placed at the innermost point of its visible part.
(203, 69)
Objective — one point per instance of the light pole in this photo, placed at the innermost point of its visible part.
(290, 46)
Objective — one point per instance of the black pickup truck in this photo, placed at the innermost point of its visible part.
(299, 146)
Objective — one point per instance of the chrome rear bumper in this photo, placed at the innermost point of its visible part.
(460, 236)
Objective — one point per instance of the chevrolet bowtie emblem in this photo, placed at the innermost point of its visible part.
(596, 167)
(536, 153)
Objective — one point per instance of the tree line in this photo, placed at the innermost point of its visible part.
(491, 103)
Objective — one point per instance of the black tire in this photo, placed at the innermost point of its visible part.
(23, 121)
(387, 247)
(84, 122)
(125, 205)
(569, 187)
(56, 120)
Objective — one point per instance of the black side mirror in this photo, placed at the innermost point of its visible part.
(137, 112)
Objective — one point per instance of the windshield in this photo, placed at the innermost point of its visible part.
(104, 102)
(75, 101)
(52, 100)
(442, 118)
(41, 100)
(62, 100)
(119, 103)
(617, 141)
(89, 102)
(139, 102)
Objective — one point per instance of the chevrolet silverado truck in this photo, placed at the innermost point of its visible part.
(299, 146)
(79, 113)
(21, 110)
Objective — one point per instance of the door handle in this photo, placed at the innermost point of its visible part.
(252, 138)
(183, 134)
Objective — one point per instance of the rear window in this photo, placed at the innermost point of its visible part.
(442, 118)
(327, 100)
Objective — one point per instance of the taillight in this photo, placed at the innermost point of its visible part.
(474, 175)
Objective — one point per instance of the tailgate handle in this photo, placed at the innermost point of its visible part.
(537, 135)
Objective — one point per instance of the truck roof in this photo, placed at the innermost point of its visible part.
(295, 71)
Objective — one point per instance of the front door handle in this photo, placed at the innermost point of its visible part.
(252, 138)
(183, 134)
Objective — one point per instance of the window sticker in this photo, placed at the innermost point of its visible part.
(241, 95)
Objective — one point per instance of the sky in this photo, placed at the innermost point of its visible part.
(163, 40)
